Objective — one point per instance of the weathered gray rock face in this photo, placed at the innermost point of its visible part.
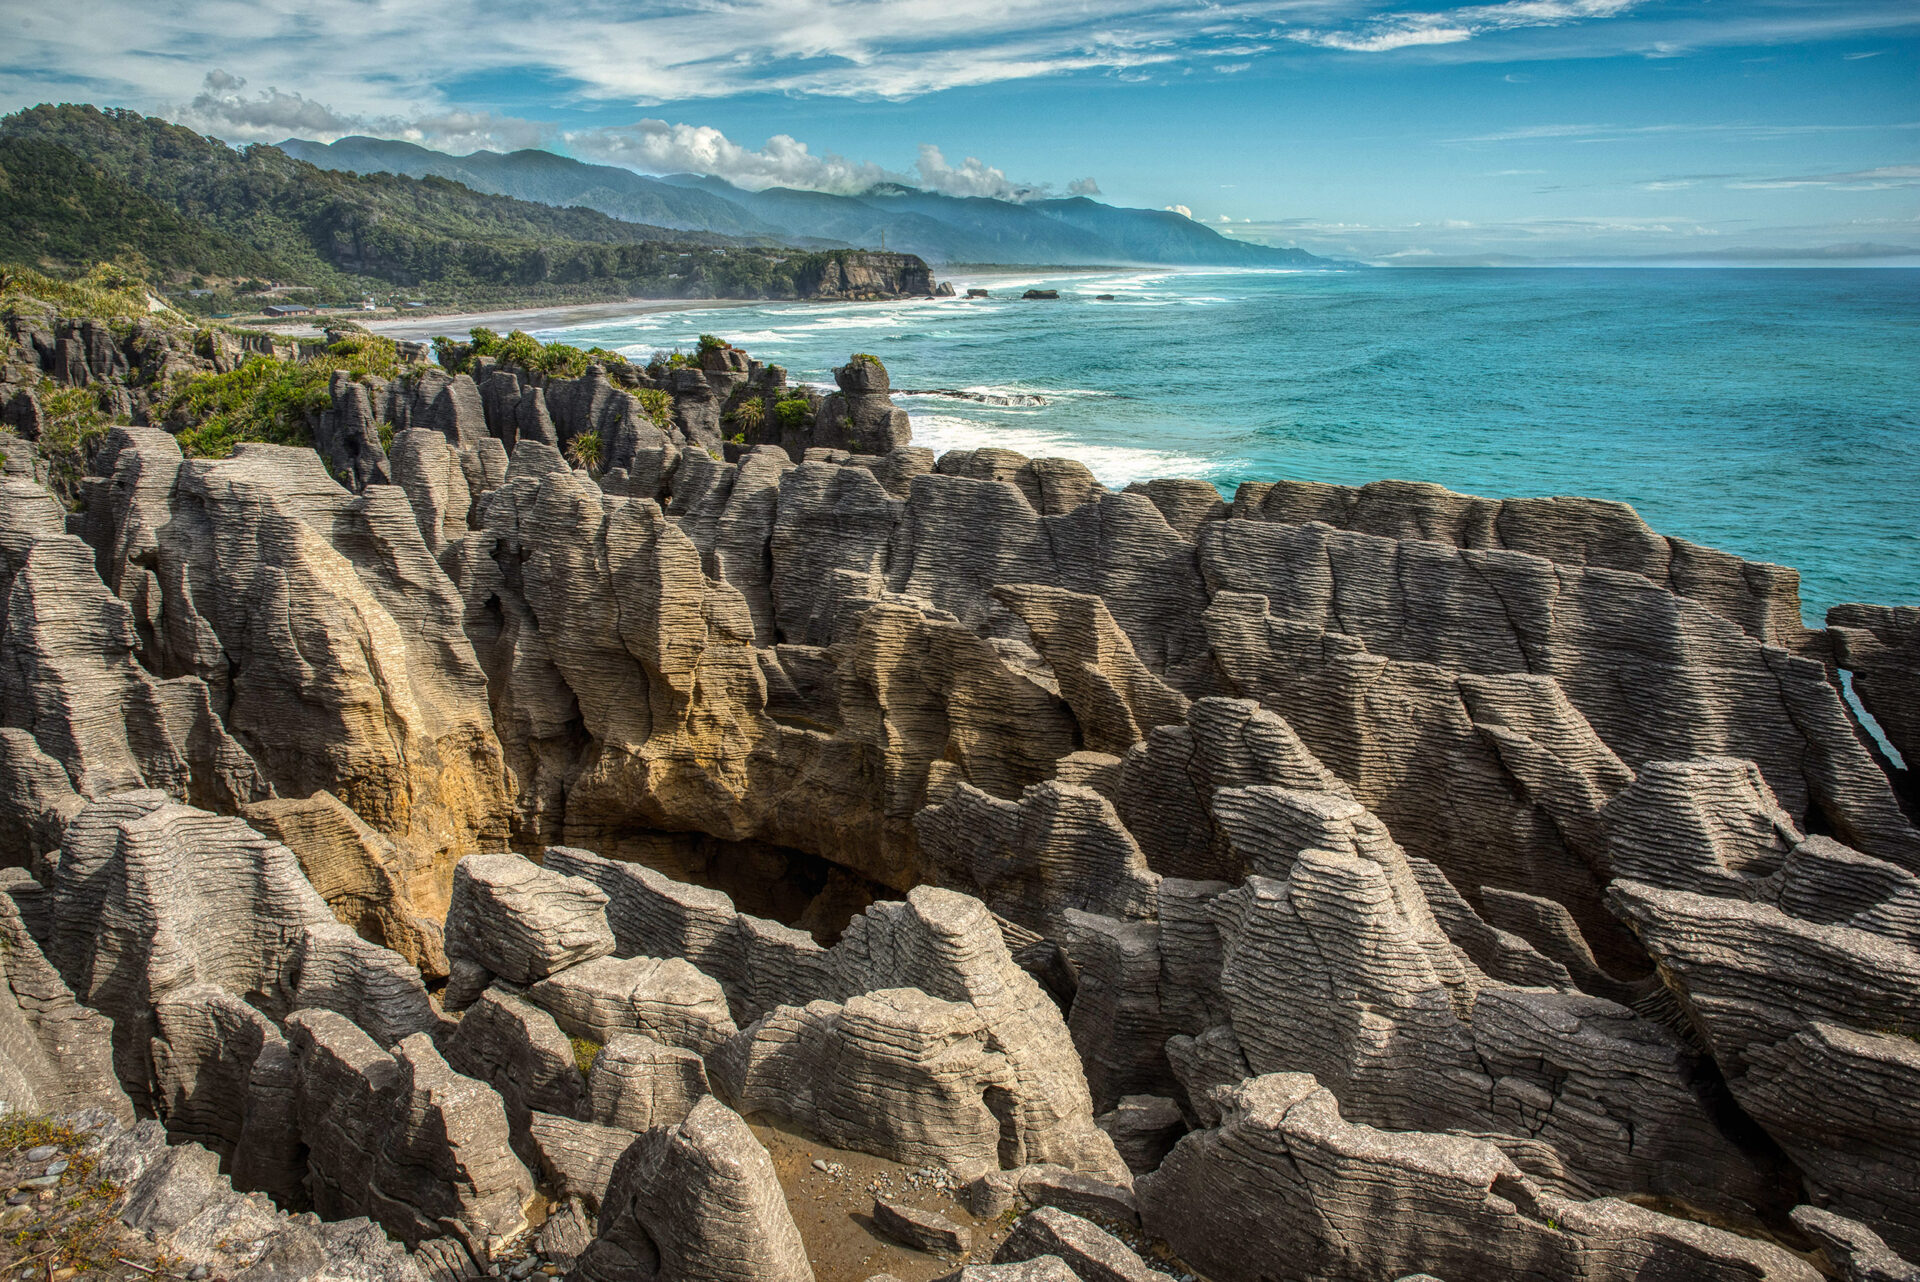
(639, 1084)
(945, 945)
(861, 416)
(1854, 1250)
(1334, 610)
(1059, 847)
(177, 1194)
(56, 1056)
(1093, 1254)
(577, 1158)
(1807, 1021)
(153, 897)
(1762, 600)
(521, 922)
(326, 636)
(513, 1045)
(71, 678)
(1405, 1045)
(895, 1072)
(699, 1202)
(404, 1139)
(664, 999)
(1256, 1196)
(1880, 645)
(758, 963)
(347, 436)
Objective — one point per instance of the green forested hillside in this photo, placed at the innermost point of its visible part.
(55, 207)
(84, 185)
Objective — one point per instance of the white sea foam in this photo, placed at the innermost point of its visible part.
(1112, 465)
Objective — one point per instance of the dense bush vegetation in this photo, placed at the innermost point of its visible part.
(269, 400)
(522, 351)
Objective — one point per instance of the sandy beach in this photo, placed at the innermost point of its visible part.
(532, 318)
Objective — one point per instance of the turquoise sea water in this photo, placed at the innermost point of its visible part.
(1772, 413)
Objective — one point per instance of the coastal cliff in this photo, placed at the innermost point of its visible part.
(549, 763)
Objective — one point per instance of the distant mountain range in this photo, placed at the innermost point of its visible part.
(941, 229)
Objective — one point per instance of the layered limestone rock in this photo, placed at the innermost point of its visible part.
(1763, 600)
(688, 727)
(1284, 1177)
(1335, 609)
(326, 636)
(521, 922)
(945, 945)
(1326, 974)
(379, 888)
(861, 416)
(1809, 1022)
(153, 898)
(404, 1139)
(665, 999)
(758, 963)
(1491, 817)
(177, 1196)
(697, 1201)
(894, 1072)
(56, 1056)
(513, 1045)
(72, 679)
(1060, 847)
(639, 1084)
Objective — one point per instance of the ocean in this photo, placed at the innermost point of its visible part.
(1773, 413)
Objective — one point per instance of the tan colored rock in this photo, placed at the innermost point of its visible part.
(381, 889)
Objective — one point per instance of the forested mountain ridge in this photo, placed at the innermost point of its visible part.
(1067, 232)
(78, 184)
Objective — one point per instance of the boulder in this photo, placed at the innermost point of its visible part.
(920, 1229)
(893, 1072)
(521, 922)
(640, 1084)
(578, 1157)
(668, 1001)
(697, 1201)
(1093, 1254)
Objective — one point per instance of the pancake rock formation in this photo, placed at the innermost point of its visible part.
(469, 829)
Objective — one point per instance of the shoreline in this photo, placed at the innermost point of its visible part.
(456, 324)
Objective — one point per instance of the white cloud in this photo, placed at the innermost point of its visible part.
(1455, 26)
(1181, 210)
(1083, 187)
(969, 178)
(656, 147)
(225, 108)
(1882, 178)
(224, 105)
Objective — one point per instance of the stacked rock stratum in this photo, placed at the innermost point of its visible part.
(466, 838)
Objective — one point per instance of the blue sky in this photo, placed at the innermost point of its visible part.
(1591, 130)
